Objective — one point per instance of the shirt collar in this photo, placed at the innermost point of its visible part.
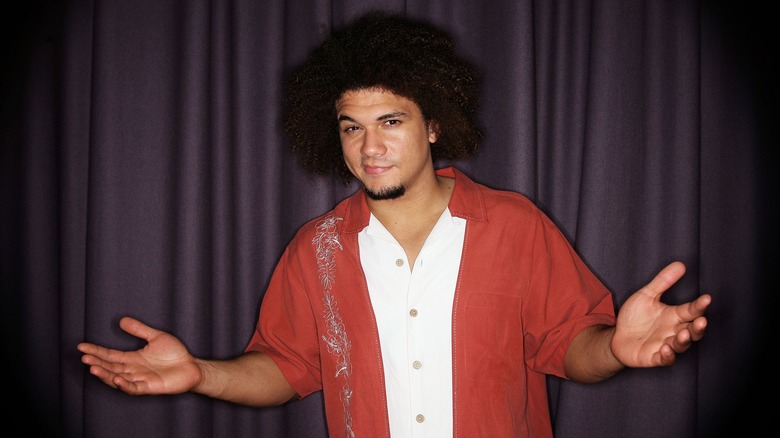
(466, 202)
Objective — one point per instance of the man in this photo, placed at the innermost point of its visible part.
(425, 304)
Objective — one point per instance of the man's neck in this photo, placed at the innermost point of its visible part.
(418, 202)
(411, 217)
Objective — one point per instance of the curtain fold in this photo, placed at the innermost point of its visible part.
(145, 173)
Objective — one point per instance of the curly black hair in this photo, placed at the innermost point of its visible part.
(391, 52)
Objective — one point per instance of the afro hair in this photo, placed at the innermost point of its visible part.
(390, 52)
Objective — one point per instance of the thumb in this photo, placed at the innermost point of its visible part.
(665, 279)
(137, 328)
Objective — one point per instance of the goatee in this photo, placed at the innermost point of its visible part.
(386, 193)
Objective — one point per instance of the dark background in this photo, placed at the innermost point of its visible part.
(143, 173)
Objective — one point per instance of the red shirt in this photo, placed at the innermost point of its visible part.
(521, 297)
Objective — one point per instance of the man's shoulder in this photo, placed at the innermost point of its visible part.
(509, 196)
(508, 202)
(475, 199)
(342, 216)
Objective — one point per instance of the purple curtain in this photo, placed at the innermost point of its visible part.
(144, 173)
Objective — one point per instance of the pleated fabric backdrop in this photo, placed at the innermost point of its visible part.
(144, 173)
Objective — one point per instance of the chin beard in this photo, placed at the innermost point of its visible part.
(386, 193)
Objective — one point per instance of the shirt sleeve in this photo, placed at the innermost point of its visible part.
(286, 328)
(563, 297)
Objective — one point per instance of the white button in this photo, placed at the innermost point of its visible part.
(417, 364)
(413, 312)
(399, 262)
(420, 418)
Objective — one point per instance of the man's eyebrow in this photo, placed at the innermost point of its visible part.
(391, 115)
(382, 117)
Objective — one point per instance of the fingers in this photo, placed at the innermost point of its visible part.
(112, 373)
(689, 334)
(692, 313)
(697, 307)
(676, 345)
(102, 374)
(667, 355)
(98, 369)
(109, 365)
(113, 379)
(98, 353)
(701, 304)
(682, 341)
(124, 385)
(129, 325)
(697, 328)
(99, 356)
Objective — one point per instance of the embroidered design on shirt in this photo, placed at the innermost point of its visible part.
(327, 241)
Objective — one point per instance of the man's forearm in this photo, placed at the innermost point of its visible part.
(251, 379)
(589, 358)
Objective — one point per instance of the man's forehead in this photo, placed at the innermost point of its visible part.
(376, 101)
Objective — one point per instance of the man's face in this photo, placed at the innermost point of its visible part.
(385, 141)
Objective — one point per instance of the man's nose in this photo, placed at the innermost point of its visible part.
(373, 143)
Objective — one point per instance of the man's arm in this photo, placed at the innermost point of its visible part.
(648, 333)
(165, 366)
(250, 379)
(589, 358)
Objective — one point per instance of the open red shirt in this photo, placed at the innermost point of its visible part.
(521, 297)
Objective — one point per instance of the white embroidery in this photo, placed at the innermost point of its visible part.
(327, 241)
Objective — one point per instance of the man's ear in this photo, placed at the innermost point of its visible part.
(434, 130)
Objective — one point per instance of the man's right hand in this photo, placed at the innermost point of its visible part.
(162, 366)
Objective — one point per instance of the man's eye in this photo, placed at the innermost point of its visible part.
(351, 128)
(393, 122)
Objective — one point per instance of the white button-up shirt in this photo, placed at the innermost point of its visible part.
(413, 310)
